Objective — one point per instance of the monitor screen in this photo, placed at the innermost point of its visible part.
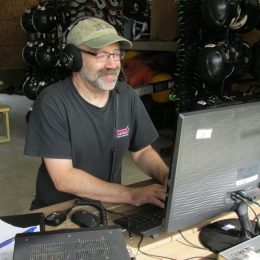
(216, 153)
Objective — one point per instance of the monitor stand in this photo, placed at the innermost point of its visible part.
(226, 233)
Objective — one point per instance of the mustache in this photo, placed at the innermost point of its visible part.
(103, 72)
(106, 71)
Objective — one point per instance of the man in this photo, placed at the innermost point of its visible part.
(83, 126)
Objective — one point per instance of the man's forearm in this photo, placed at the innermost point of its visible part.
(83, 184)
(151, 163)
(71, 180)
(88, 186)
(68, 179)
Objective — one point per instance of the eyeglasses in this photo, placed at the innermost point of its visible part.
(104, 56)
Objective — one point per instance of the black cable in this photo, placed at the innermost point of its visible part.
(195, 246)
(157, 256)
(126, 218)
(68, 210)
(151, 255)
(114, 148)
(243, 196)
(191, 244)
(141, 237)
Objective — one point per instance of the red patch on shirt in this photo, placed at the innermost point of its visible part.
(122, 132)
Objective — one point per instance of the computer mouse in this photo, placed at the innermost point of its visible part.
(84, 218)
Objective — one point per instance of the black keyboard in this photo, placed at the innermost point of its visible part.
(146, 221)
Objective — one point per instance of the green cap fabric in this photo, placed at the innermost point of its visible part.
(95, 33)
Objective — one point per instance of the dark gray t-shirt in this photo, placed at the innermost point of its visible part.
(64, 125)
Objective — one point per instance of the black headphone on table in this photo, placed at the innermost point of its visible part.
(95, 204)
(70, 56)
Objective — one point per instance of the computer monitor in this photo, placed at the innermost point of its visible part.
(216, 154)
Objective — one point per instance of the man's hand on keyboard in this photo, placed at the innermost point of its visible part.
(151, 194)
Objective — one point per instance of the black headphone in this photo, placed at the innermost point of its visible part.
(70, 56)
(96, 204)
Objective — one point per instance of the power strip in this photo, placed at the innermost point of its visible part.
(250, 249)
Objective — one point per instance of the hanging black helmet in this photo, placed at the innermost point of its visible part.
(26, 20)
(47, 54)
(249, 18)
(30, 86)
(218, 15)
(214, 63)
(242, 56)
(43, 84)
(28, 52)
(44, 19)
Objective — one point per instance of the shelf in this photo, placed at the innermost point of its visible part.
(155, 87)
(154, 45)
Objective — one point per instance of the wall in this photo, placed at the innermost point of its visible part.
(12, 39)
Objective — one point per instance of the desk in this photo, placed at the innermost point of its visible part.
(171, 245)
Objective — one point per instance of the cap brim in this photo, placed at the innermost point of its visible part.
(105, 40)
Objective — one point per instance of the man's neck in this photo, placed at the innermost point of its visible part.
(91, 94)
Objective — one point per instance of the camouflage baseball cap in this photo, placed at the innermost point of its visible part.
(95, 33)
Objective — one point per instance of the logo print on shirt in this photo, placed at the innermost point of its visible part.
(122, 132)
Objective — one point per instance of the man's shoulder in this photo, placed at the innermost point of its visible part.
(54, 95)
(56, 89)
(59, 85)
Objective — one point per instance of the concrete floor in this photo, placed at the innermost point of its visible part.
(18, 172)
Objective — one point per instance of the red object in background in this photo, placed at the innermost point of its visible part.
(138, 73)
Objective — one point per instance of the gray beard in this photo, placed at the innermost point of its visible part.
(98, 82)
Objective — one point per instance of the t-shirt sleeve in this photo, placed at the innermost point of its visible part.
(143, 131)
(48, 134)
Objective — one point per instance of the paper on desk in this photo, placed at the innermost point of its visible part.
(9, 231)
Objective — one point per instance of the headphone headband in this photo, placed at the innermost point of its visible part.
(72, 25)
(70, 56)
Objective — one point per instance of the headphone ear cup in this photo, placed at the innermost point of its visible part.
(70, 58)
